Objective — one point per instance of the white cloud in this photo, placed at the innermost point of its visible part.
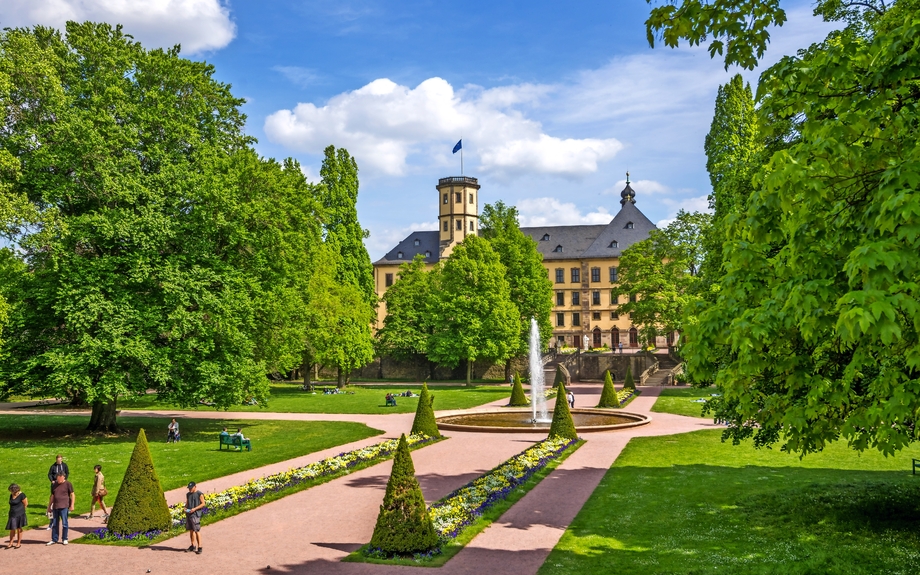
(199, 25)
(382, 124)
(552, 212)
(380, 242)
(697, 204)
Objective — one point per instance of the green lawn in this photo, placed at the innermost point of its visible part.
(683, 400)
(692, 504)
(28, 445)
(288, 398)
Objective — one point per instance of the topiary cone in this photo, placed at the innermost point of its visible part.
(628, 383)
(424, 421)
(518, 398)
(140, 504)
(562, 425)
(609, 394)
(560, 377)
(403, 525)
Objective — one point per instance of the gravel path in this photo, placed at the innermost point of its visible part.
(310, 531)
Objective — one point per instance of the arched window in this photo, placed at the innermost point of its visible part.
(633, 337)
(615, 337)
(417, 242)
(597, 337)
(545, 238)
(558, 249)
(614, 244)
(629, 225)
(428, 254)
(399, 255)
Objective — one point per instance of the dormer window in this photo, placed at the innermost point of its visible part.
(629, 225)
(399, 255)
(545, 238)
(558, 249)
(428, 254)
(614, 244)
(417, 242)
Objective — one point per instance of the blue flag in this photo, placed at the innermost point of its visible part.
(458, 146)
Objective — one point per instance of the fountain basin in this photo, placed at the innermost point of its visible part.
(520, 421)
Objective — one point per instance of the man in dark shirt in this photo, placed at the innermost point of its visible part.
(59, 505)
(57, 468)
(194, 503)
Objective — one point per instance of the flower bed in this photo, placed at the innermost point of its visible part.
(453, 513)
(625, 394)
(238, 496)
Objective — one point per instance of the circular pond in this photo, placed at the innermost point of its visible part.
(518, 421)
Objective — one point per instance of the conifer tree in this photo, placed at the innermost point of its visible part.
(424, 415)
(560, 377)
(518, 398)
(628, 382)
(609, 394)
(562, 425)
(403, 525)
(140, 505)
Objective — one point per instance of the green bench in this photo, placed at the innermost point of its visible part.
(234, 441)
(916, 465)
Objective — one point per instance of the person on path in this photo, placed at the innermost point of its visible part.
(621, 348)
(59, 505)
(172, 435)
(57, 468)
(194, 503)
(239, 433)
(571, 399)
(17, 518)
(98, 493)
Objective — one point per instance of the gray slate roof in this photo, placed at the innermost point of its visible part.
(593, 241)
(427, 241)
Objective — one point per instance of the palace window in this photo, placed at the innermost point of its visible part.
(614, 298)
(629, 225)
(558, 249)
(596, 315)
(576, 298)
(389, 280)
(632, 297)
(417, 242)
(576, 319)
(614, 244)
(560, 298)
(427, 253)
(545, 238)
(576, 275)
(614, 315)
(471, 198)
(445, 225)
(459, 198)
(613, 275)
(399, 255)
(560, 276)
(560, 339)
(595, 274)
(459, 225)
(471, 227)
(445, 198)
(560, 320)
(596, 298)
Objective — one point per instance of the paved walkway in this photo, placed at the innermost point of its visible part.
(309, 532)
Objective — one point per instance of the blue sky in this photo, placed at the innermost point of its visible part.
(554, 101)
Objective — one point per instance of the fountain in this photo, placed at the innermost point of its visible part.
(517, 420)
(537, 383)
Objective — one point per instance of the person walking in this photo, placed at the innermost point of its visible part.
(194, 503)
(98, 493)
(621, 348)
(571, 399)
(17, 518)
(60, 505)
(57, 468)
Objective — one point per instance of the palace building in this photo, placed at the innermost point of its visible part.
(581, 261)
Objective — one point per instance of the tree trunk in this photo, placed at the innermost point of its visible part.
(469, 370)
(103, 416)
(508, 370)
(306, 367)
(341, 378)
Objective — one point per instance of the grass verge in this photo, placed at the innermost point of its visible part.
(683, 400)
(692, 504)
(488, 516)
(29, 443)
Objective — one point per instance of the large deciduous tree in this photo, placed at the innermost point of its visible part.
(472, 314)
(815, 333)
(531, 291)
(407, 327)
(158, 240)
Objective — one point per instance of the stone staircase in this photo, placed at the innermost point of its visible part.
(665, 365)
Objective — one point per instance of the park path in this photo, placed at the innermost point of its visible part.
(311, 531)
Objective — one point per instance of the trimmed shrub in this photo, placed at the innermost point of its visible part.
(140, 504)
(562, 425)
(560, 377)
(628, 383)
(424, 421)
(518, 398)
(403, 525)
(609, 394)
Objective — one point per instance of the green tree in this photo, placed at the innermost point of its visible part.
(562, 426)
(813, 335)
(153, 262)
(609, 396)
(518, 398)
(140, 505)
(531, 290)
(403, 525)
(424, 421)
(471, 313)
(406, 327)
(628, 381)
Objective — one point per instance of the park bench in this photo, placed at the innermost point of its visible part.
(916, 465)
(234, 441)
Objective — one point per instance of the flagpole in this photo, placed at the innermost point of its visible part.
(461, 160)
